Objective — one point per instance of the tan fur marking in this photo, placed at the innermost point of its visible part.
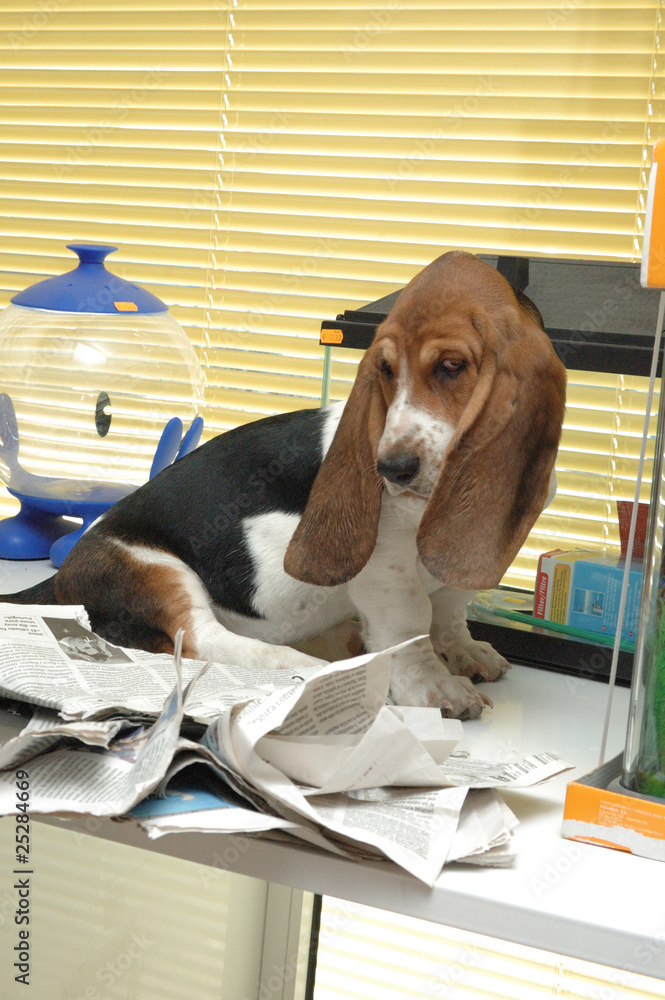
(175, 604)
(103, 573)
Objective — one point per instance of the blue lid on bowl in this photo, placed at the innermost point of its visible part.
(89, 288)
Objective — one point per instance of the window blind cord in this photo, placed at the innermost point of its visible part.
(633, 523)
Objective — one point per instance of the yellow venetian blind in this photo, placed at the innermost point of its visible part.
(360, 142)
(262, 165)
(370, 954)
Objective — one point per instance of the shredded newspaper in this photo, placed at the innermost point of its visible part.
(182, 745)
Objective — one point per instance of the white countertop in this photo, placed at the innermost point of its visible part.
(588, 902)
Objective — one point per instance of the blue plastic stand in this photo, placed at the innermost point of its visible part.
(39, 529)
(31, 533)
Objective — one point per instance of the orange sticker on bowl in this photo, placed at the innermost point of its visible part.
(126, 307)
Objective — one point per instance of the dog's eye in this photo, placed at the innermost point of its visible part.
(447, 368)
(386, 370)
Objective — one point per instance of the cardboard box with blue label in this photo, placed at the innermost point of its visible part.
(582, 588)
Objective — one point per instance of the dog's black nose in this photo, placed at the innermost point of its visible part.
(400, 469)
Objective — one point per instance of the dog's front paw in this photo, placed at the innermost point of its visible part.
(477, 660)
(432, 686)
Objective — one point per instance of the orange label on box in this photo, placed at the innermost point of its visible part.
(331, 336)
(126, 307)
(606, 810)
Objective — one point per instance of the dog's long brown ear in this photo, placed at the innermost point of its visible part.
(337, 532)
(494, 480)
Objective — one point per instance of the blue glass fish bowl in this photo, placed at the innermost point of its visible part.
(100, 389)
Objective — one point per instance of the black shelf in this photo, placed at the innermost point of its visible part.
(597, 315)
(535, 647)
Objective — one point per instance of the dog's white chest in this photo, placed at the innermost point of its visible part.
(289, 608)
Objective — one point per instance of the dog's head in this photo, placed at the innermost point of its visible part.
(459, 400)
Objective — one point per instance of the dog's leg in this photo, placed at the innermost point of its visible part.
(394, 606)
(207, 639)
(141, 597)
(452, 640)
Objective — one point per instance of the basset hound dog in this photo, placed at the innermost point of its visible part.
(391, 509)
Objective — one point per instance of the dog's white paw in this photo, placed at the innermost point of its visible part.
(476, 660)
(430, 685)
